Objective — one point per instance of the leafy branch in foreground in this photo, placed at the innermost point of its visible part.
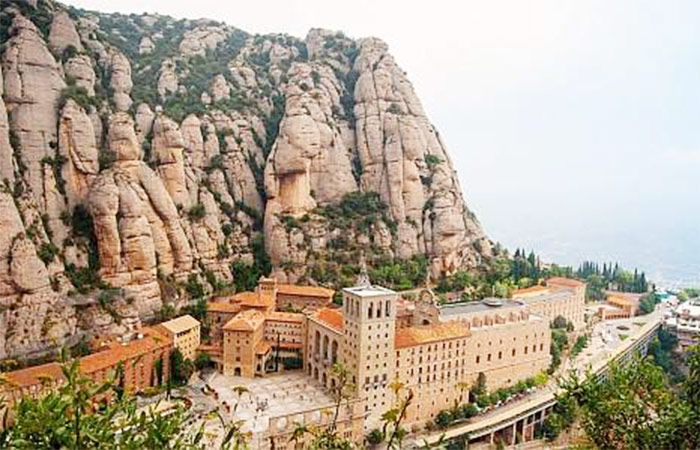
(82, 414)
(632, 408)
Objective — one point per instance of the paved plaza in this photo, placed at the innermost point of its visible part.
(272, 396)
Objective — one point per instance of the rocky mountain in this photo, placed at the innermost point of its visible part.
(146, 160)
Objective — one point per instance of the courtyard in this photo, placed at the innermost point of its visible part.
(272, 396)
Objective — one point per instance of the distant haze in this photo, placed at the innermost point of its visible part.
(574, 126)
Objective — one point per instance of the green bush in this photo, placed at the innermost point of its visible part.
(78, 94)
(579, 345)
(197, 212)
(47, 252)
(432, 161)
(193, 287)
(375, 437)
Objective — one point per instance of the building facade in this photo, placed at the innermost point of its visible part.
(185, 333)
(684, 322)
(560, 296)
(439, 359)
(143, 358)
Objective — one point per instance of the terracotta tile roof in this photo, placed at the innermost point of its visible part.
(532, 290)
(248, 320)
(278, 316)
(180, 324)
(626, 298)
(331, 317)
(305, 291)
(568, 282)
(262, 347)
(33, 375)
(425, 334)
(223, 307)
(116, 352)
(107, 358)
(253, 299)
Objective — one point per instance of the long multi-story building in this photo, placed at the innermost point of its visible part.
(560, 296)
(438, 352)
(144, 358)
(437, 359)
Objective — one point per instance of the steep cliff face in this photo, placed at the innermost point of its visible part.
(151, 155)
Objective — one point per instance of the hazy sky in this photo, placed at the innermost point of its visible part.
(573, 124)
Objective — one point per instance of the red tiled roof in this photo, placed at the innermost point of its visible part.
(304, 291)
(223, 307)
(278, 316)
(262, 347)
(33, 375)
(109, 357)
(253, 299)
(116, 352)
(331, 317)
(568, 282)
(425, 334)
(530, 290)
(248, 320)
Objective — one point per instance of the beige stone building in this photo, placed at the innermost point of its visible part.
(245, 351)
(559, 297)
(435, 351)
(185, 333)
(438, 359)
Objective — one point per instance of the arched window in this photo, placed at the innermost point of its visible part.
(326, 355)
(379, 310)
(370, 310)
(317, 343)
(387, 309)
(334, 351)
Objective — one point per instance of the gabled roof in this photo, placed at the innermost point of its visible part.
(278, 316)
(331, 317)
(253, 299)
(426, 334)
(223, 307)
(180, 324)
(262, 347)
(33, 375)
(116, 351)
(304, 291)
(532, 290)
(249, 320)
(568, 282)
(109, 357)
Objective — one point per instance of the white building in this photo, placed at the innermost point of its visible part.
(684, 321)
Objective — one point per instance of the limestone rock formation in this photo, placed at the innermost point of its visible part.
(7, 169)
(167, 82)
(78, 147)
(136, 223)
(120, 80)
(33, 84)
(150, 154)
(201, 39)
(220, 88)
(79, 67)
(144, 121)
(63, 34)
(146, 46)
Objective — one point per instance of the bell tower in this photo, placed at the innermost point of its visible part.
(369, 325)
